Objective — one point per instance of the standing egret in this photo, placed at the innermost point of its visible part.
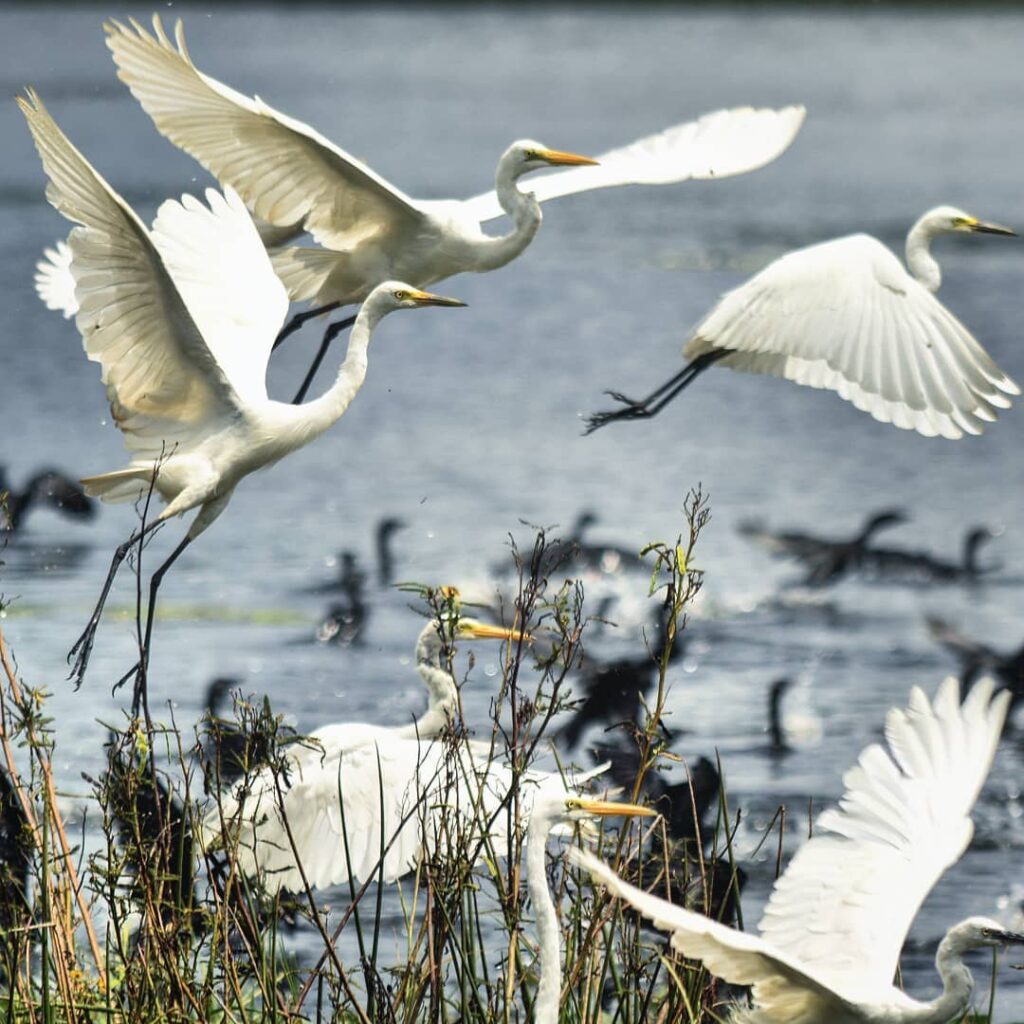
(836, 921)
(845, 315)
(343, 758)
(182, 320)
(290, 175)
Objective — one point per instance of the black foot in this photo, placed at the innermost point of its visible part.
(82, 651)
(630, 412)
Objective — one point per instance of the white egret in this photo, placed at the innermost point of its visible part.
(845, 315)
(182, 321)
(548, 812)
(341, 764)
(291, 176)
(836, 921)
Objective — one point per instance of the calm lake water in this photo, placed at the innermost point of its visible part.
(469, 420)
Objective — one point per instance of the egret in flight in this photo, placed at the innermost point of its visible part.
(836, 921)
(293, 178)
(181, 320)
(845, 315)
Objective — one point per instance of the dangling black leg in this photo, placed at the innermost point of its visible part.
(329, 335)
(299, 319)
(657, 399)
(140, 696)
(83, 645)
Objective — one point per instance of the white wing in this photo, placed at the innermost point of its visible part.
(846, 316)
(716, 145)
(382, 791)
(284, 170)
(162, 380)
(223, 273)
(55, 284)
(785, 990)
(845, 903)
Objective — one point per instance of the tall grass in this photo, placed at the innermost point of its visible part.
(150, 923)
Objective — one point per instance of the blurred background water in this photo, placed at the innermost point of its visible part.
(469, 420)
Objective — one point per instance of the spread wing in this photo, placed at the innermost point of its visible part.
(716, 145)
(385, 792)
(162, 380)
(785, 990)
(845, 315)
(224, 275)
(284, 170)
(846, 901)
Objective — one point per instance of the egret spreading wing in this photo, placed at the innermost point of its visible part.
(845, 315)
(717, 145)
(283, 169)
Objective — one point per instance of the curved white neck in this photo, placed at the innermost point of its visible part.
(920, 261)
(323, 412)
(957, 983)
(442, 691)
(549, 936)
(524, 211)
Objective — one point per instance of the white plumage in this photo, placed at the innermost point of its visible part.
(181, 321)
(847, 316)
(833, 929)
(293, 177)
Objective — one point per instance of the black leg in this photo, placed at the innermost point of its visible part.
(658, 398)
(299, 319)
(329, 335)
(140, 696)
(83, 645)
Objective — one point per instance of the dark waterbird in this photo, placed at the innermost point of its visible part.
(236, 746)
(923, 567)
(828, 559)
(674, 857)
(978, 659)
(48, 488)
(611, 690)
(15, 863)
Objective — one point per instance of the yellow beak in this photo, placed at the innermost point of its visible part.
(609, 808)
(429, 299)
(485, 631)
(560, 159)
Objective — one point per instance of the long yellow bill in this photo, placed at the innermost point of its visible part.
(610, 808)
(430, 299)
(485, 631)
(560, 159)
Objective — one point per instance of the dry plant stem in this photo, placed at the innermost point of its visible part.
(51, 798)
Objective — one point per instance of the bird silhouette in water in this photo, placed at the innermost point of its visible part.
(347, 617)
(235, 746)
(700, 881)
(828, 559)
(15, 865)
(977, 659)
(611, 690)
(385, 532)
(47, 487)
(894, 564)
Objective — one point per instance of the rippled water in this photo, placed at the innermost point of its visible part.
(469, 422)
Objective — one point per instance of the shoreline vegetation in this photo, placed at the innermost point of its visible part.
(132, 915)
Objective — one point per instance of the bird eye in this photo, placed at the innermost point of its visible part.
(401, 296)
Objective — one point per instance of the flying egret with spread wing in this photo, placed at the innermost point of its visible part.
(845, 315)
(837, 918)
(294, 178)
(182, 320)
